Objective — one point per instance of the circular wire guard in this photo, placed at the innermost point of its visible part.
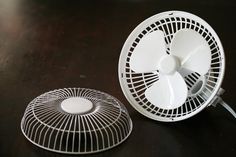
(46, 125)
(134, 84)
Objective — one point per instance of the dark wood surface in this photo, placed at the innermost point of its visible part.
(46, 45)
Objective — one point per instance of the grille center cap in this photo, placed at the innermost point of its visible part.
(76, 105)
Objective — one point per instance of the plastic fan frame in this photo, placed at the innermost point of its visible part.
(130, 41)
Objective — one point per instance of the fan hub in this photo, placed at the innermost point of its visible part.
(169, 64)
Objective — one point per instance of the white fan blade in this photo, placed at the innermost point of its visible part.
(192, 50)
(147, 53)
(185, 72)
(169, 92)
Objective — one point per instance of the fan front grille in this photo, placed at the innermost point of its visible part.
(135, 84)
(45, 123)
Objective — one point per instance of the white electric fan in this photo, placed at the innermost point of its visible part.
(171, 66)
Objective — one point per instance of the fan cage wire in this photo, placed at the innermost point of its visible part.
(46, 125)
(136, 83)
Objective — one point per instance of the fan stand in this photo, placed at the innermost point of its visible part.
(218, 100)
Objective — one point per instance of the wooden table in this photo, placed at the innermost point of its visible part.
(46, 45)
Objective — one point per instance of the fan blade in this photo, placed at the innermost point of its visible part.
(147, 53)
(169, 92)
(192, 50)
(185, 72)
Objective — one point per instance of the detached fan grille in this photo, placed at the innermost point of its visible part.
(46, 124)
(135, 84)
